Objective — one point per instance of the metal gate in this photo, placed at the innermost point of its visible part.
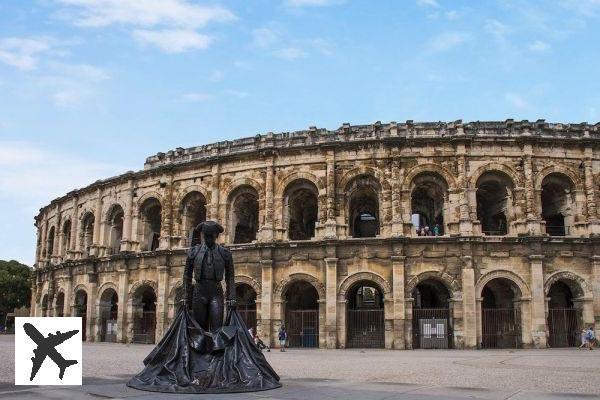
(302, 328)
(144, 325)
(501, 328)
(366, 329)
(431, 328)
(564, 327)
(108, 331)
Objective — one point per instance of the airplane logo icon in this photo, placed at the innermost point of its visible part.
(47, 348)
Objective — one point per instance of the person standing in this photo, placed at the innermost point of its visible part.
(591, 338)
(583, 336)
(282, 338)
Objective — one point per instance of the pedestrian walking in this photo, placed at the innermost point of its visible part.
(584, 341)
(591, 338)
(282, 338)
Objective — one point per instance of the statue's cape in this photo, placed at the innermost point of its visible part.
(191, 360)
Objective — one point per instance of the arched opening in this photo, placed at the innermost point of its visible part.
(501, 315)
(428, 195)
(45, 306)
(301, 203)
(365, 316)
(144, 314)
(59, 309)
(494, 202)
(50, 248)
(244, 214)
(150, 224)
(192, 212)
(564, 319)
(302, 314)
(109, 307)
(557, 200)
(246, 303)
(432, 317)
(363, 206)
(87, 233)
(80, 310)
(115, 229)
(66, 242)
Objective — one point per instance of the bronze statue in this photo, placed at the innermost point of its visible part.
(208, 263)
(199, 353)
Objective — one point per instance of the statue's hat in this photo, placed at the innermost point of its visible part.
(210, 227)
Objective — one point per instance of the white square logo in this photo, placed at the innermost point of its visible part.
(48, 351)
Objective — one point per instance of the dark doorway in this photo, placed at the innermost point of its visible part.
(246, 304)
(564, 321)
(557, 201)
(365, 316)
(59, 310)
(244, 217)
(144, 315)
(302, 209)
(501, 318)
(494, 198)
(432, 319)
(302, 315)
(109, 307)
(363, 206)
(80, 310)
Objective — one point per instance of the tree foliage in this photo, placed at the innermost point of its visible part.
(15, 288)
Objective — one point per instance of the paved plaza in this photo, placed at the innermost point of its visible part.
(351, 374)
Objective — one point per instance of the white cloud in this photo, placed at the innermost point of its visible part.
(497, 29)
(428, 3)
(173, 41)
(323, 46)
(538, 46)
(147, 13)
(313, 3)
(290, 53)
(216, 76)
(446, 41)
(452, 15)
(197, 97)
(236, 93)
(23, 53)
(81, 71)
(516, 100)
(264, 37)
(587, 8)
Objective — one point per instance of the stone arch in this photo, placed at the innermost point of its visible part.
(108, 210)
(432, 169)
(141, 283)
(173, 292)
(103, 287)
(147, 196)
(558, 168)
(364, 170)
(579, 287)
(509, 171)
(77, 288)
(231, 188)
(189, 189)
(508, 275)
(85, 212)
(451, 284)
(253, 283)
(293, 176)
(364, 276)
(284, 284)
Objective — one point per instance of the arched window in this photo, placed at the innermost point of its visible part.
(192, 212)
(427, 198)
(363, 206)
(557, 202)
(87, 233)
(150, 224)
(244, 214)
(365, 319)
(50, 249)
(302, 314)
(66, 231)
(144, 314)
(301, 204)
(501, 315)
(115, 228)
(494, 202)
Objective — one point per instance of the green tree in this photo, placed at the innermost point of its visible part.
(15, 288)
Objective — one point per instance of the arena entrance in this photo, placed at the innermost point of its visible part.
(364, 318)
(80, 310)
(302, 315)
(245, 298)
(564, 320)
(109, 306)
(59, 309)
(144, 315)
(501, 315)
(431, 318)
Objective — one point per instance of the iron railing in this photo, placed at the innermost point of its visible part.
(365, 328)
(431, 328)
(501, 328)
(564, 327)
(302, 328)
(557, 230)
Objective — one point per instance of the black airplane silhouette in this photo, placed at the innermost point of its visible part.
(46, 347)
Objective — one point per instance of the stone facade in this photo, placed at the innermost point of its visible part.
(516, 204)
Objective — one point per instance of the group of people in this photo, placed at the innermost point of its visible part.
(426, 231)
(588, 339)
(281, 335)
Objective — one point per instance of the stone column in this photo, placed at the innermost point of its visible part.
(96, 243)
(214, 195)
(330, 223)
(266, 230)
(538, 311)
(531, 212)
(469, 305)
(331, 303)
(465, 219)
(122, 311)
(590, 196)
(399, 315)
(68, 284)
(126, 240)
(74, 246)
(166, 225)
(92, 318)
(396, 200)
(162, 298)
(265, 324)
(44, 252)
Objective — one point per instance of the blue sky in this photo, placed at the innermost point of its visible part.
(89, 88)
